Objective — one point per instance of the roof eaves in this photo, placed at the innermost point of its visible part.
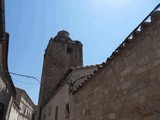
(116, 52)
(84, 67)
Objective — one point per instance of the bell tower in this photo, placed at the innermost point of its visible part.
(62, 52)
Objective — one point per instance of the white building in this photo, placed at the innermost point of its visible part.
(22, 107)
(14, 111)
(57, 107)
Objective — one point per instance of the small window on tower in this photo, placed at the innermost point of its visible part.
(67, 110)
(50, 110)
(69, 50)
(44, 117)
(56, 113)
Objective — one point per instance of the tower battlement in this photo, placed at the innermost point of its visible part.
(62, 52)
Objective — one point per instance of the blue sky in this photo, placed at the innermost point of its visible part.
(101, 25)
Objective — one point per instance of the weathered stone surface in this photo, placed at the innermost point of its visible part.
(125, 84)
(61, 53)
(140, 70)
(112, 116)
(130, 84)
(126, 70)
(143, 61)
(116, 105)
(119, 66)
(126, 88)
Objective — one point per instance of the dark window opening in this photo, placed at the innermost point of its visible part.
(44, 117)
(69, 50)
(56, 113)
(50, 110)
(67, 110)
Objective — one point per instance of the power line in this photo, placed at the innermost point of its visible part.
(23, 82)
(22, 75)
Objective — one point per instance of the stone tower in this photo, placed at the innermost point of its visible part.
(61, 53)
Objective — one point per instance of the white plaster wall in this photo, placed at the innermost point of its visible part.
(60, 100)
(26, 110)
(62, 97)
(14, 112)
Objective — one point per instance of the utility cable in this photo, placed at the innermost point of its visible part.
(22, 75)
(23, 82)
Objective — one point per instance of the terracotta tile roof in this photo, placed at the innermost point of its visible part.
(130, 37)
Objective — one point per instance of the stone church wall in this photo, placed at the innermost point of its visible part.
(128, 86)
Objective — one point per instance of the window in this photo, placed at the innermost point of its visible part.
(50, 110)
(44, 117)
(69, 50)
(67, 110)
(56, 113)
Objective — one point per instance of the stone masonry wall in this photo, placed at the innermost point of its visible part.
(127, 87)
(56, 62)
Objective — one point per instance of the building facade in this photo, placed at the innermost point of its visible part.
(62, 52)
(7, 89)
(22, 107)
(14, 112)
(127, 85)
(25, 104)
(59, 104)
(124, 87)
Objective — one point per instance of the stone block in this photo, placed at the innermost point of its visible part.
(112, 116)
(143, 61)
(116, 105)
(122, 80)
(158, 53)
(125, 85)
(126, 70)
(142, 99)
(119, 66)
(140, 70)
